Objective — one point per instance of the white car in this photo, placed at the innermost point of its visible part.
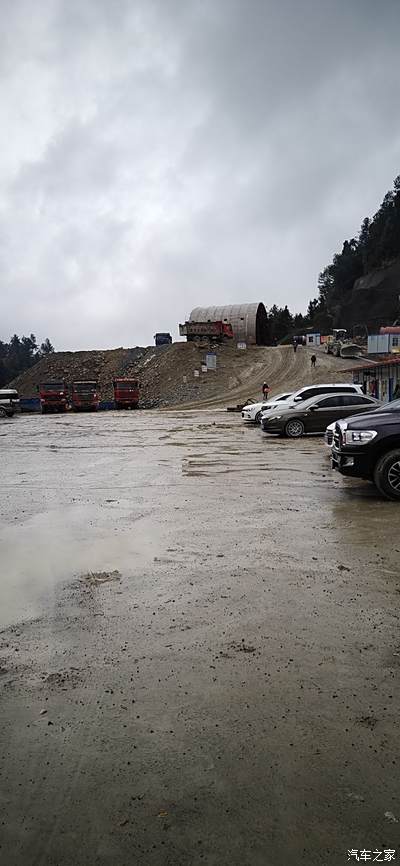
(314, 391)
(253, 411)
(9, 402)
(328, 437)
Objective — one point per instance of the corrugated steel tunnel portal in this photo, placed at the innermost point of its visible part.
(249, 321)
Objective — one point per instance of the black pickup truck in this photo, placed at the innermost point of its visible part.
(368, 446)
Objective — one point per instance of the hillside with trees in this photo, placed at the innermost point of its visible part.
(20, 354)
(362, 284)
(360, 288)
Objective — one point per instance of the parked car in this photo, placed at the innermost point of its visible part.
(313, 391)
(313, 415)
(368, 446)
(329, 432)
(253, 411)
(9, 402)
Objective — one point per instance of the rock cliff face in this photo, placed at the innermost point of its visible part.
(374, 300)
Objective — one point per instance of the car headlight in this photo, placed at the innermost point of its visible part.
(359, 437)
(275, 418)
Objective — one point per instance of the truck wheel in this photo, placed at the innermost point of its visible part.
(294, 428)
(387, 475)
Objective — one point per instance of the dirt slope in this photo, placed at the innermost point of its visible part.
(99, 365)
(167, 372)
(279, 367)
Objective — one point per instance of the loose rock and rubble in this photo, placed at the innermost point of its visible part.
(167, 373)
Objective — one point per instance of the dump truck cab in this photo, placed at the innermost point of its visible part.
(85, 396)
(126, 393)
(53, 396)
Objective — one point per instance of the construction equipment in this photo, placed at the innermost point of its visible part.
(340, 345)
(217, 332)
(53, 396)
(85, 395)
(126, 393)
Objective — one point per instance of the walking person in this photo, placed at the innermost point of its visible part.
(295, 346)
(313, 360)
(265, 389)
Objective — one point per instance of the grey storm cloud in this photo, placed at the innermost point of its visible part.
(163, 154)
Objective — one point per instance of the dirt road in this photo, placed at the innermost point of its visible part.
(200, 650)
(279, 366)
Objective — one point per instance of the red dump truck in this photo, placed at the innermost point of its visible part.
(85, 395)
(217, 331)
(126, 393)
(53, 396)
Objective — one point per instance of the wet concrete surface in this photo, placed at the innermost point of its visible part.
(200, 648)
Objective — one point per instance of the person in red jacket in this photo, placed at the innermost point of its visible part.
(265, 389)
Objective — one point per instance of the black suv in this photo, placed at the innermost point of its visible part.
(368, 446)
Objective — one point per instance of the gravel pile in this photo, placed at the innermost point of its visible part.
(165, 372)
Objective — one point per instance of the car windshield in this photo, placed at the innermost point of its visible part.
(394, 406)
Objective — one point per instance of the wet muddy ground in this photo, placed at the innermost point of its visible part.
(200, 647)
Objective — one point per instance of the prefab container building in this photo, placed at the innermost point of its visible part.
(381, 344)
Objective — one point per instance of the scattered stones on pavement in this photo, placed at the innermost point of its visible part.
(95, 578)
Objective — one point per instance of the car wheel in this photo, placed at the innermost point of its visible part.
(258, 417)
(3, 413)
(387, 475)
(294, 428)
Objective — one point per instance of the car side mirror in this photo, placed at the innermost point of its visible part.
(313, 408)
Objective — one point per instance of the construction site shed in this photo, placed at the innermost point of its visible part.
(249, 321)
(381, 379)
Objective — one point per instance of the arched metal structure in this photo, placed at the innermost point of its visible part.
(249, 321)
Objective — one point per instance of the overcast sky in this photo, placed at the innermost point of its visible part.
(163, 154)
